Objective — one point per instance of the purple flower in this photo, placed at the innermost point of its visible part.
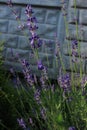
(43, 82)
(45, 73)
(27, 72)
(72, 128)
(43, 113)
(21, 27)
(31, 20)
(37, 96)
(74, 43)
(35, 41)
(34, 38)
(28, 10)
(33, 28)
(74, 50)
(25, 63)
(64, 7)
(44, 78)
(40, 65)
(15, 77)
(15, 13)
(64, 82)
(29, 77)
(9, 2)
(21, 123)
(12, 71)
(40, 42)
(30, 121)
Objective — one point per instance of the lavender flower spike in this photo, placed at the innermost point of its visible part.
(28, 10)
(74, 50)
(35, 41)
(64, 82)
(40, 65)
(72, 128)
(9, 2)
(31, 121)
(43, 113)
(27, 72)
(37, 96)
(21, 123)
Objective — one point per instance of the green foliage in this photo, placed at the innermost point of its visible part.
(75, 111)
(8, 113)
(17, 103)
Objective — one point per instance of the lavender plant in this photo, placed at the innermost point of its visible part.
(46, 105)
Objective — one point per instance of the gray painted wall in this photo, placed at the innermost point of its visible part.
(50, 21)
(77, 13)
